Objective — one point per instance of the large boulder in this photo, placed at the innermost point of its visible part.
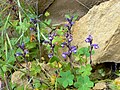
(103, 23)
(58, 8)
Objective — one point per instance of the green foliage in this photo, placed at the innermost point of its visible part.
(66, 78)
(84, 51)
(47, 14)
(101, 72)
(23, 26)
(54, 58)
(85, 70)
(35, 69)
(83, 83)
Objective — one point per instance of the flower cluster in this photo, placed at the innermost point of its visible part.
(34, 22)
(69, 38)
(50, 42)
(33, 29)
(89, 40)
(25, 51)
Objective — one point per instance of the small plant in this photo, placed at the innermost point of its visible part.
(66, 78)
(89, 40)
(83, 83)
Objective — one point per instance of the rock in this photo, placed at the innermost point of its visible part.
(43, 5)
(59, 8)
(100, 86)
(17, 78)
(103, 23)
(117, 81)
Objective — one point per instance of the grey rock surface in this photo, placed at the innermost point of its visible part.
(59, 8)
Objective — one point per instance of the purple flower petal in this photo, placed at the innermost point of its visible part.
(70, 39)
(64, 55)
(46, 42)
(26, 51)
(71, 23)
(95, 46)
(18, 54)
(89, 39)
(74, 49)
(21, 46)
(67, 35)
(50, 38)
(34, 21)
(50, 55)
(63, 44)
(32, 29)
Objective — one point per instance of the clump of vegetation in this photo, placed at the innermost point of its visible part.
(33, 47)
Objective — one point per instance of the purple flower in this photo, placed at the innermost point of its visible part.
(50, 55)
(64, 55)
(67, 35)
(52, 46)
(18, 54)
(74, 49)
(46, 42)
(50, 38)
(70, 39)
(70, 20)
(22, 46)
(63, 44)
(32, 29)
(26, 51)
(89, 39)
(95, 46)
(34, 21)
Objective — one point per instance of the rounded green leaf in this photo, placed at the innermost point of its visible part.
(65, 84)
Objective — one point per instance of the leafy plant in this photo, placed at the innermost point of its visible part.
(85, 70)
(66, 78)
(83, 83)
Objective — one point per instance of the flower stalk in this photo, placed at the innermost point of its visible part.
(89, 40)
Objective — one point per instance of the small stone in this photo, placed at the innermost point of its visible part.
(100, 86)
(117, 81)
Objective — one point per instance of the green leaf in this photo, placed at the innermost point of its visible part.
(35, 69)
(4, 68)
(60, 31)
(47, 14)
(85, 70)
(37, 83)
(66, 78)
(70, 81)
(54, 58)
(65, 84)
(57, 39)
(30, 45)
(11, 57)
(84, 51)
(83, 83)
(20, 88)
(67, 16)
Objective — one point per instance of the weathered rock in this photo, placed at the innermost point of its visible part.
(43, 5)
(17, 78)
(103, 23)
(117, 81)
(100, 86)
(59, 8)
